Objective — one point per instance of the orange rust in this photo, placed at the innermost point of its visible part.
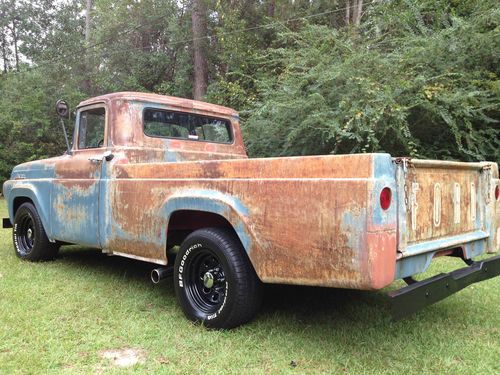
(312, 220)
(281, 211)
(426, 178)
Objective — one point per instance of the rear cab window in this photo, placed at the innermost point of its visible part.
(170, 124)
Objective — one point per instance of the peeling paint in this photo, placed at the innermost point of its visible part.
(314, 220)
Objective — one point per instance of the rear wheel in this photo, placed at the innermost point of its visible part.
(215, 282)
(30, 240)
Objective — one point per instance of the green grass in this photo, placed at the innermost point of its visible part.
(58, 317)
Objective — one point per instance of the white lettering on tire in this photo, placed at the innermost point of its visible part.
(216, 314)
(184, 257)
(16, 244)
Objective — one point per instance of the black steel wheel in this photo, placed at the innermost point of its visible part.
(206, 282)
(29, 237)
(215, 282)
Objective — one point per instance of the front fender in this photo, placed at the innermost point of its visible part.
(38, 193)
(232, 209)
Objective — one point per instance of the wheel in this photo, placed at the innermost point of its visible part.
(30, 240)
(215, 282)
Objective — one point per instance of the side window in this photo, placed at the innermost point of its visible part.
(159, 123)
(91, 128)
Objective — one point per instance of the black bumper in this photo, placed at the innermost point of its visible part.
(6, 223)
(417, 295)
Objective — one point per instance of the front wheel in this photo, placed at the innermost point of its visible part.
(30, 240)
(215, 282)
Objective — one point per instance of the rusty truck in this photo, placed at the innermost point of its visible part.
(168, 181)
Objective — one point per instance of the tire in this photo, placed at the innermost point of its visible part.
(29, 237)
(215, 282)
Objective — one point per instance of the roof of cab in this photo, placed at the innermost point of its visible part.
(180, 103)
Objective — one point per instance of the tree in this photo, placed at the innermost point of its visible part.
(200, 41)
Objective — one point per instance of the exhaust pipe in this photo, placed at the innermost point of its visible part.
(158, 274)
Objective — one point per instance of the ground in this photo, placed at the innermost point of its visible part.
(90, 313)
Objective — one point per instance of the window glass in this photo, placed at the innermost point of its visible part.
(159, 123)
(91, 128)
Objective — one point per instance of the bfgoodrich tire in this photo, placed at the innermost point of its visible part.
(29, 237)
(215, 282)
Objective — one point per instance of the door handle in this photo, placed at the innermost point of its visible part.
(108, 155)
(95, 160)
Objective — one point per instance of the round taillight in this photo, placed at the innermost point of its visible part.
(497, 192)
(385, 198)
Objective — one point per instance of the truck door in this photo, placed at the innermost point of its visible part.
(75, 191)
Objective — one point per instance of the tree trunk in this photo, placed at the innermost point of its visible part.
(200, 31)
(86, 85)
(271, 7)
(357, 12)
(87, 21)
(347, 17)
(5, 55)
(16, 42)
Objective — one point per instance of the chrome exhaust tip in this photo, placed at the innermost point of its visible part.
(158, 274)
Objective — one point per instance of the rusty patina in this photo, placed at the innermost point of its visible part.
(313, 220)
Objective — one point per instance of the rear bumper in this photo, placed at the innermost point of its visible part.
(418, 295)
(6, 223)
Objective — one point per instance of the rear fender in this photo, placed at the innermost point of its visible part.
(232, 209)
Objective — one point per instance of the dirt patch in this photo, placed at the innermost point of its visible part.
(125, 357)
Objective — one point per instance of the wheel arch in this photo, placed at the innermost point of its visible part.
(208, 208)
(23, 194)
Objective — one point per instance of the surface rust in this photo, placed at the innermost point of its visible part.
(302, 220)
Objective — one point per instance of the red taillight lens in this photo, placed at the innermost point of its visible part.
(385, 198)
(497, 192)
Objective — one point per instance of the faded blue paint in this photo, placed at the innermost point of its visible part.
(354, 223)
(214, 202)
(33, 170)
(38, 192)
(78, 221)
(171, 156)
(384, 174)
(474, 249)
(419, 263)
(32, 180)
(413, 265)
(444, 243)
(383, 166)
(105, 208)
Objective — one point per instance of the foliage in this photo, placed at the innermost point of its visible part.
(29, 127)
(415, 78)
(429, 94)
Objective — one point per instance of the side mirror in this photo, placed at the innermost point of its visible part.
(62, 108)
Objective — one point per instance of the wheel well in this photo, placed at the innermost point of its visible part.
(183, 222)
(18, 201)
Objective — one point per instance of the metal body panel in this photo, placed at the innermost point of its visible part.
(311, 229)
(313, 220)
(444, 205)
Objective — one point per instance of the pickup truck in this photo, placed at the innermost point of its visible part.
(168, 181)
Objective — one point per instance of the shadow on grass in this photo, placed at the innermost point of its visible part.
(300, 303)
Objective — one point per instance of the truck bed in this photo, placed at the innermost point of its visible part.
(302, 220)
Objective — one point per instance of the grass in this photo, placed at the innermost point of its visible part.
(59, 317)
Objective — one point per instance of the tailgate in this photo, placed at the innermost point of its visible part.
(443, 204)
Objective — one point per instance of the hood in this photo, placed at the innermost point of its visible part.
(35, 169)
